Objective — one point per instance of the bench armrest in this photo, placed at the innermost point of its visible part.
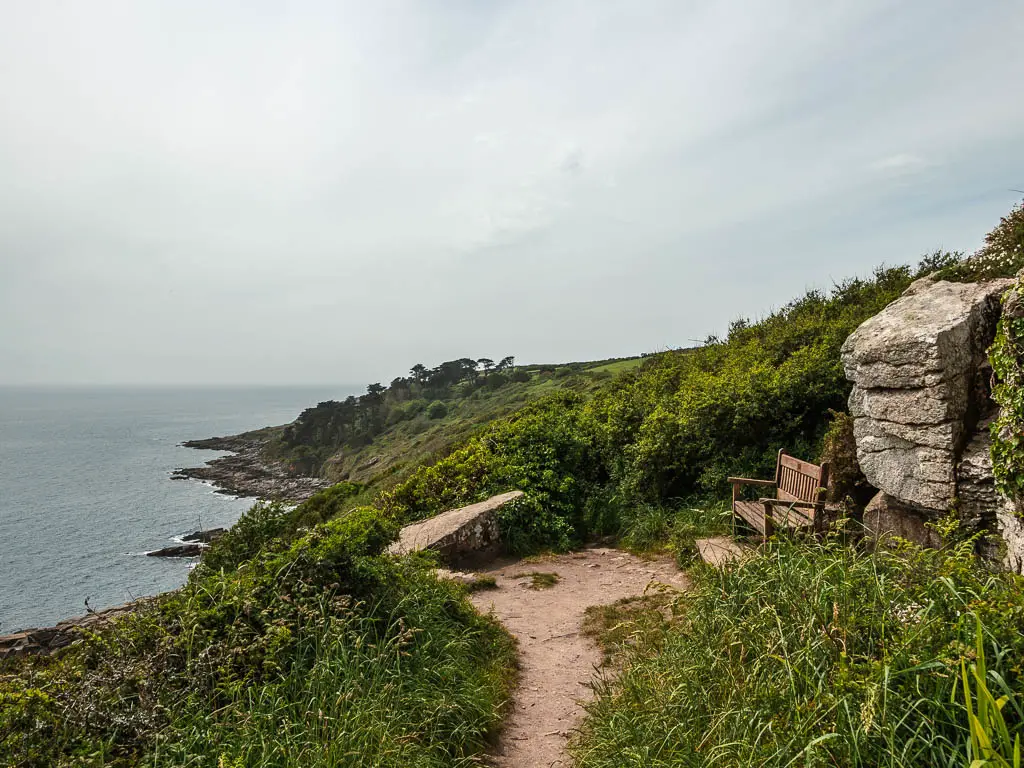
(792, 504)
(749, 481)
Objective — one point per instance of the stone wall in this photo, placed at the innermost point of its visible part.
(465, 535)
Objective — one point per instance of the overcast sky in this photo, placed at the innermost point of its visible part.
(301, 192)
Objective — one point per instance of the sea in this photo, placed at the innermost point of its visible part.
(86, 489)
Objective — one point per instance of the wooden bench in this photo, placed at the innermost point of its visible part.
(799, 497)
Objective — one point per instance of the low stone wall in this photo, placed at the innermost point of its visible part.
(458, 535)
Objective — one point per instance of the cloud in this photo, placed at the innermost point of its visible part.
(903, 163)
(328, 192)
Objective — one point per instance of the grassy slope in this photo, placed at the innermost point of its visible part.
(308, 650)
(421, 439)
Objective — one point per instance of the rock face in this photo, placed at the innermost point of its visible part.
(467, 533)
(920, 371)
(1010, 520)
(204, 537)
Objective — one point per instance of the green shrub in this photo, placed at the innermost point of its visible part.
(812, 655)
(437, 410)
(527, 526)
(261, 524)
(1007, 358)
(324, 505)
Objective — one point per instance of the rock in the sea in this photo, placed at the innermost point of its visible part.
(179, 550)
(467, 533)
(204, 537)
(917, 368)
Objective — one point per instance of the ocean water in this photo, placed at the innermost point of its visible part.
(85, 489)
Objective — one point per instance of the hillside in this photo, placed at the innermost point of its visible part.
(378, 438)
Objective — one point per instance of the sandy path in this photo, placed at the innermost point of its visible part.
(557, 662)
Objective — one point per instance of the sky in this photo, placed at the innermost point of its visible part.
(328, 192)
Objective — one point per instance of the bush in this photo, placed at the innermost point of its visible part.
(526, 527)
(437, 410)
(1001, 256)
(812, 655)
(324, 505)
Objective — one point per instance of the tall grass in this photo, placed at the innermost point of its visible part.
(409, 693)
(812, 655)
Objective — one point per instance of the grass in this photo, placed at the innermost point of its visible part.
(540, 579)
(652, 528)
(617, 367)
(482, 583)
(809, 655)
(629, 623)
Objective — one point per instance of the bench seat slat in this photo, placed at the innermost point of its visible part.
(752, 512)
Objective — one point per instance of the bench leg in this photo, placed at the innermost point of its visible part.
(769, 524)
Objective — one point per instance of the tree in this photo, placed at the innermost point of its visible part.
(487, 364)
(505, 362)
(419, 373)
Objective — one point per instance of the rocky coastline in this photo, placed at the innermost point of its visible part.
(247, 473)
(46, 640)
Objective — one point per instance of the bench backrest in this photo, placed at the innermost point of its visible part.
(800, 480)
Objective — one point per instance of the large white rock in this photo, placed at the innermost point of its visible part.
(914, 367)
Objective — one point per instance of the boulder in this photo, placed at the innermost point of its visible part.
(918, 370)
(886, 518)
(467, 533)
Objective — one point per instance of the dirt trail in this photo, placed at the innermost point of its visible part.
(557, 662)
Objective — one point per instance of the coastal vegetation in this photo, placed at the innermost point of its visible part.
(308, 650)
(641, 457)
(379, 436)
(299, 641)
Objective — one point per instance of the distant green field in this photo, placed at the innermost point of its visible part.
(618, 366)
